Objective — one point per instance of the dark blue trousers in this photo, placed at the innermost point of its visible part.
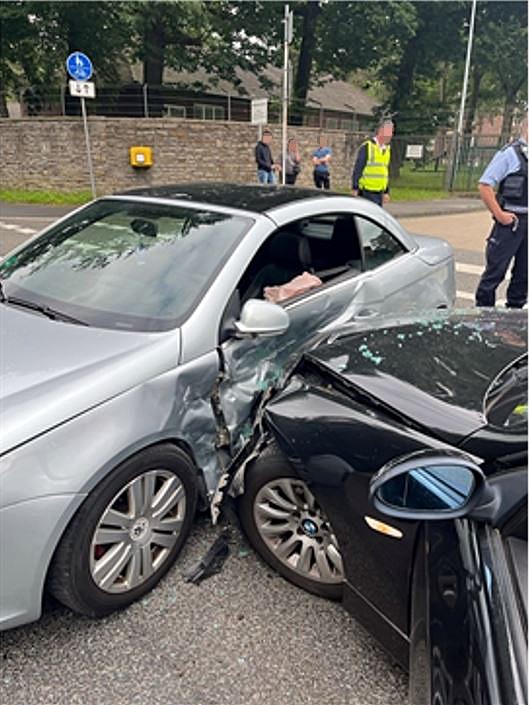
(502, 246)
(375, 196)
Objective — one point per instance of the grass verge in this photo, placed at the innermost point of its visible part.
(55, 198)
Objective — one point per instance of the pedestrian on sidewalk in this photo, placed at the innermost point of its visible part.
(266, 167)
(507, 172)
(371, 169)
(321, 159)
(292, 162)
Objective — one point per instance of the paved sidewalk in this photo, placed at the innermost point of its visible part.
(32, 210)
(439, 206)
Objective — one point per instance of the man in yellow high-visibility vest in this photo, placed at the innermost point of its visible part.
(371, 170)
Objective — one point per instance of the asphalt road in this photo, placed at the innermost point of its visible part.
(242, 637)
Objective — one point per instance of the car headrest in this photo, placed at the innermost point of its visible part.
(345, 239)
(290, 251)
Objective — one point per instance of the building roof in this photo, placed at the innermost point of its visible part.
(331, 94)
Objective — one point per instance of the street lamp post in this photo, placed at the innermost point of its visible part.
(459, 133)
(287, 39)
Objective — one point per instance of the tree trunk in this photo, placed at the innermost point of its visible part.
(401, 94)
(404, 84)
(477, 77)
(154, 53)
(311, 13)
(154, 43)
(508, 115)
(3, 105)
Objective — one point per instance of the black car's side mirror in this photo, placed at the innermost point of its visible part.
(426, 486)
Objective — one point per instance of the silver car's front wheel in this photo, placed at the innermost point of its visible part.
(127, 533)
(137, 531)
(288, 528)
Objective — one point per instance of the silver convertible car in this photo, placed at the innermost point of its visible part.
(138, 335)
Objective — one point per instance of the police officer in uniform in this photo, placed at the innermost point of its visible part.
(371, 170)
(508, 239)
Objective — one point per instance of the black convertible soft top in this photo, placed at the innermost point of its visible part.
(258, 199)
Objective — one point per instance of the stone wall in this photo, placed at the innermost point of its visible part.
(49, 153)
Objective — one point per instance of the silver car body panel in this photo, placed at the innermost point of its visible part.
(77, 401)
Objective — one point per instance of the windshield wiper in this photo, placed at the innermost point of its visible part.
(46, 310)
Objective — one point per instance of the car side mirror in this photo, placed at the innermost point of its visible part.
(428, 487)
(262, 318)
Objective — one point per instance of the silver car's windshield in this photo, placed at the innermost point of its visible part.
(123, 264)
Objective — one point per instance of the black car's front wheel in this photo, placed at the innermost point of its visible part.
(127, 533)
(287, 527)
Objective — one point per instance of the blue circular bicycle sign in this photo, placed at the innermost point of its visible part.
(79, 66)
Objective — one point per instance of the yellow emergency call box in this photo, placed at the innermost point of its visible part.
(140, 156)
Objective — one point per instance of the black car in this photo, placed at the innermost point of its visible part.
(394, 478)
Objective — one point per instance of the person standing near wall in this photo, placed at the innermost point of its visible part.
(263, 156)
(321, 159)
(508, 239)
(371, 169)
(292, 162)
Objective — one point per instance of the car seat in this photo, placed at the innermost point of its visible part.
(287, 255)
(344, 252)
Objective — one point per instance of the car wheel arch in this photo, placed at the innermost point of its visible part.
(68, 517)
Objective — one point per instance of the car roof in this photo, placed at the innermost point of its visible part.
(250, 197)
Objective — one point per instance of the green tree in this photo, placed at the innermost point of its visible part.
(38, 36)
(416, 75)
(18, 43)
(501, 41)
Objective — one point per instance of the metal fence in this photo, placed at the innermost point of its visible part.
(441, 161)
(135, 100)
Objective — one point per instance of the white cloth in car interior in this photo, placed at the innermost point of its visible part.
(299, 285)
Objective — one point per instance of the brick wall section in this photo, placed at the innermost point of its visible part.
(49, 153)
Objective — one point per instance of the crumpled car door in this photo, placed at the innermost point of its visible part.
(253, 366)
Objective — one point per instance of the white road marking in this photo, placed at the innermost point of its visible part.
(469, 268)
(469, 296)
(33, 217)
(17, 228)
(465, 295)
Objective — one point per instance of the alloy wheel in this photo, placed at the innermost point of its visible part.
(137, 531)
(297, 531)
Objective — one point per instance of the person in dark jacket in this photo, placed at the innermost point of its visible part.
(507, 242)
(266, 167)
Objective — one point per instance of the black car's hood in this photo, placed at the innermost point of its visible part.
(435, 370)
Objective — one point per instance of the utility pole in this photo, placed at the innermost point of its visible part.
(288, 32)
(459, 133)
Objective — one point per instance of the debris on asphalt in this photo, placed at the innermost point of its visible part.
(211, 563)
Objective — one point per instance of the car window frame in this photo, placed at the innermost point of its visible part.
(384, 227)
(520, 429)
(339, 280)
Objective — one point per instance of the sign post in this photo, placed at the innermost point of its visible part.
(260, 113)
(80, 69)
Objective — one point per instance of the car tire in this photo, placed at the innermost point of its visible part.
(272, 515)
(134, 524)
